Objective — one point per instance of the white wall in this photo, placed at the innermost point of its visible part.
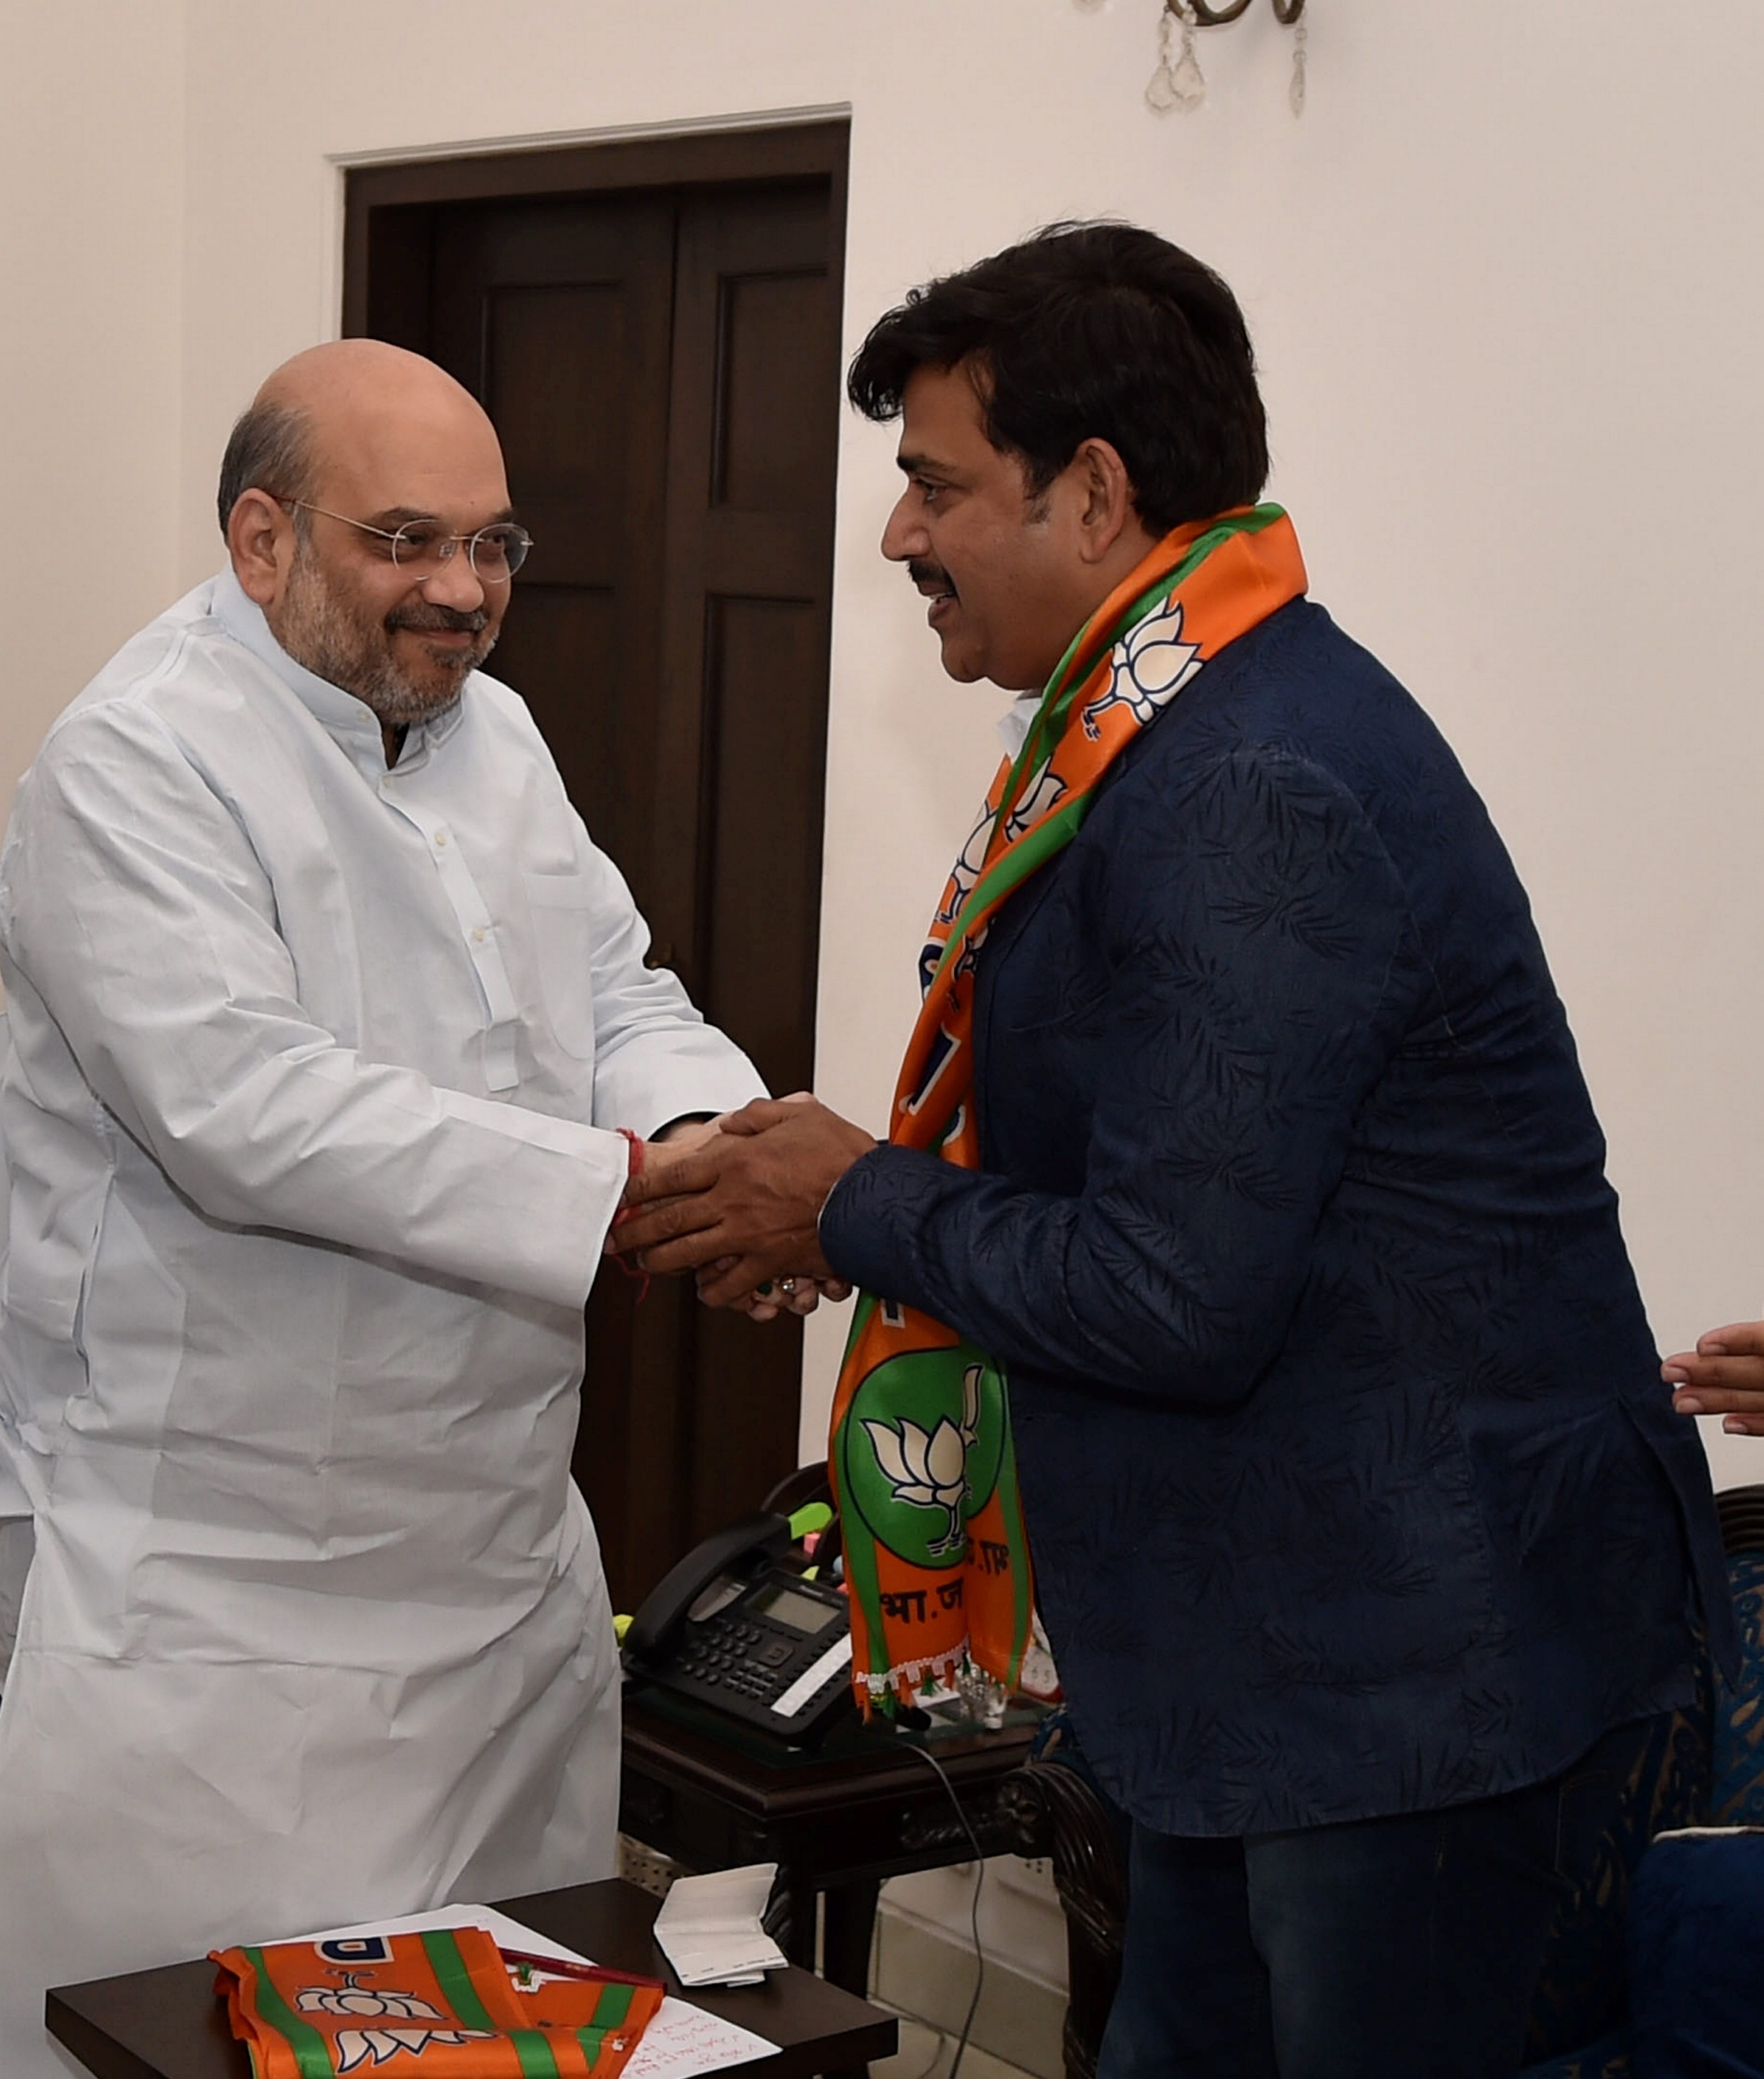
(1499, 278)
(91, 172)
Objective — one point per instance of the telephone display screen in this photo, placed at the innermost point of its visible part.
(801, 1612)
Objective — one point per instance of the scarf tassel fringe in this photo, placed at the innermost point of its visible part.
(909, 1676)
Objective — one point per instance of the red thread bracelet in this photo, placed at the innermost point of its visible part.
(639, 1155)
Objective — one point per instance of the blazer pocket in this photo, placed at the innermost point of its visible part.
(561, 906)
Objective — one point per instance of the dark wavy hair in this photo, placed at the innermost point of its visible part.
(1086, 331)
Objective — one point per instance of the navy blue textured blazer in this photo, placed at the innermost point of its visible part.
(1351, 1482)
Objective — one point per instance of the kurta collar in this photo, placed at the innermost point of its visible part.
(351, 722)
(1014, 724)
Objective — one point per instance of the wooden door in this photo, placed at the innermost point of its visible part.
(662, 364)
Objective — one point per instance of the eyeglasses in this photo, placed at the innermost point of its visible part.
(494, 552)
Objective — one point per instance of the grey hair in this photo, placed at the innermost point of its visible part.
(270, 448)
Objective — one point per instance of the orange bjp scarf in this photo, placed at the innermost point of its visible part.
(443, 1996)
(921, 1455)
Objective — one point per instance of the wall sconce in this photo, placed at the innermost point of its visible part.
(1179, 82)
(1216, 18)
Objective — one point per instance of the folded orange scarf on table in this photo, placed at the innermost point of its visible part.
(318, 2009)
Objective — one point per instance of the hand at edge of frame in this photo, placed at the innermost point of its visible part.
(1724, 1375)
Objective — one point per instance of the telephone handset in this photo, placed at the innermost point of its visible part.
(734, 1629)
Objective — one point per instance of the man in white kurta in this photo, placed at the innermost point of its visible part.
(311, 1120)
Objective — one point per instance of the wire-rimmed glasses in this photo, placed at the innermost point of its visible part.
(423, 548)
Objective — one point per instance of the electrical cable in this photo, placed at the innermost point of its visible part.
(926, 1755)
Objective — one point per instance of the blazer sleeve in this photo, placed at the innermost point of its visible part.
(1253, 931)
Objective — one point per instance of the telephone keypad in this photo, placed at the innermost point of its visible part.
(743, 1660)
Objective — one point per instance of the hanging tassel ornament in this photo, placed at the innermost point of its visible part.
(1295, 94)
(1178, 81)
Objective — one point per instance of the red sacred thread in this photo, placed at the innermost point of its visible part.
(634, 1271)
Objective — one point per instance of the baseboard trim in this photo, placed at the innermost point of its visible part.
(923, 1971)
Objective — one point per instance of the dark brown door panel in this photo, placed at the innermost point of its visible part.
(654, 329)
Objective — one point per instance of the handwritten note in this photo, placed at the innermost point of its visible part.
(682, 2040)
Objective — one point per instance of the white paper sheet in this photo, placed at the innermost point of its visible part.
(682, 2041)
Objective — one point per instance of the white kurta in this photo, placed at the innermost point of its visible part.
(308, 1118)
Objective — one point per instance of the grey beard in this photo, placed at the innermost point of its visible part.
(393, 697)
(321, 635)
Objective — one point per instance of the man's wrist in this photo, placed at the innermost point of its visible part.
(683, 1118)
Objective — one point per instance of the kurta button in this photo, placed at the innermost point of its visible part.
(440, 837)
(479, 934)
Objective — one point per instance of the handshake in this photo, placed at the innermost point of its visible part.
(738, 1201)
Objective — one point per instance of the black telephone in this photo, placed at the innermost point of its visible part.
(735, 1630)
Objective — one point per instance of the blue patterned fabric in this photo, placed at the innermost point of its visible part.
(1607, 2059)
(1584, 1990)
(1737, 1796)
(1704, 1767)
(1696, 1932)
(1351, 1482)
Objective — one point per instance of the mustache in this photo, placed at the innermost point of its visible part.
(928, 574)
(429, 617)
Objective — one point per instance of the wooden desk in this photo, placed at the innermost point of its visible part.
(168, 2024)
(837, 1819)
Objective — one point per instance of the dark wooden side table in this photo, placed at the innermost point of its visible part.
(837, 1819)
(168, 2024)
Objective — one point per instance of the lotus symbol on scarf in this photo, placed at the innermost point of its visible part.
(1039, 799)
(358, 2047)
(966, 871)
(929, 1469)
(1152, 665)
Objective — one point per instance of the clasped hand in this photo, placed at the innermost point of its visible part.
(740, 1206)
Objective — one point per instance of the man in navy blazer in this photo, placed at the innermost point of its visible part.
(1365, 1535)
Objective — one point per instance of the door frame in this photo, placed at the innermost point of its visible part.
(385, 231)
